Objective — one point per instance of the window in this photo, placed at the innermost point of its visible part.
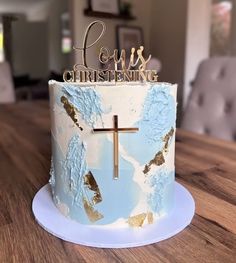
(221, 28)
(1, 44)
(66, 33)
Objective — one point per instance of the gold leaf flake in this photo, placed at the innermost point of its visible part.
(147, 168)
(91, 183)
(150, 217)
(70, 110)
(167, 138)
(92, 214)
(159, 158)
(137, 221)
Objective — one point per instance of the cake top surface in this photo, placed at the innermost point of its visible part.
(116, 66)
(113, 83)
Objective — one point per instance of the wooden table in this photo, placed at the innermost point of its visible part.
(207, 167)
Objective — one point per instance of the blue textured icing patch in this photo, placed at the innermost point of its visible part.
(159, 113)
(86, 100)
(68, 172)
(75, 167)
(119, 196)
(159, 182)
(157, 118)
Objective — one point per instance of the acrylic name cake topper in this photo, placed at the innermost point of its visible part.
(124, 70)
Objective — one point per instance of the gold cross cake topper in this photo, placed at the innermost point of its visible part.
(115, 131)
(134, 69)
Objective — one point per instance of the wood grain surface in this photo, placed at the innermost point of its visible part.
(205, 166)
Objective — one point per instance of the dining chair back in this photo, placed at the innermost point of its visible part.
(211, 108)
(7, 93)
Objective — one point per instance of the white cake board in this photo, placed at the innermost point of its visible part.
(49, 218)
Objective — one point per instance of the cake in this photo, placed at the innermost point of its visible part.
(113, 147)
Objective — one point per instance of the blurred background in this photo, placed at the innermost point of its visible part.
(36, 39)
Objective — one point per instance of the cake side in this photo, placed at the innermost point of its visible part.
(82, 173)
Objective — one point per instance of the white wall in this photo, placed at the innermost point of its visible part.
(141, 10)
(168, 36)
(39, 11)
(180, 39)
(176, 32)
(197, 40)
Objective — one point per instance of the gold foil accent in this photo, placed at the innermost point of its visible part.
(92, 214)
(119, 60)
(159, 158)
(137, 221)
(115, 131)
(91, 183)
(150, 217)
(70, 110)
(167, 138)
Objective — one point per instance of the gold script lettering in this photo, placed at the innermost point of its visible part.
(69, 76)
(124, 68)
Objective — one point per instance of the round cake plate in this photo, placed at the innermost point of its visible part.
(50, 218)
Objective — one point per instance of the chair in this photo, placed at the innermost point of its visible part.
(7, 93)
(211, 108)
(155, 64)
